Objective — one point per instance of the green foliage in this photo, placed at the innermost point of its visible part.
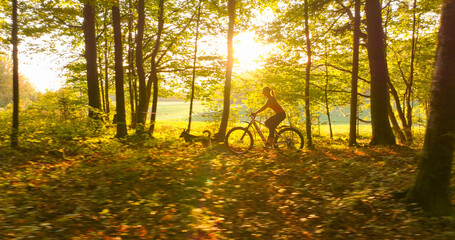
(399, 32)
(56, 121)
(76, 78)
(5, 27)
(330, 26)
(70, 179)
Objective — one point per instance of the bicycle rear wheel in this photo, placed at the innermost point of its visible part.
(239, 140)
(288, 141)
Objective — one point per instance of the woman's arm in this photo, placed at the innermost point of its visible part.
(266, 105)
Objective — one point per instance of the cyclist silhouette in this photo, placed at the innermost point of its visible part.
(274, 120)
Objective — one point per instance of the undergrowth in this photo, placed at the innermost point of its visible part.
(162, 188)
(71, 179)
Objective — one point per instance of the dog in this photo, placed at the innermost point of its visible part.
(205, 140)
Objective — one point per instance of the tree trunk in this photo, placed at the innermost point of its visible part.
(326, 94)
(104, 84)
(119, 92)
(144, 98)
(154, 69)
(15, 41)
(94, 100)
(154, 79)
(230, 63)
(431, 189)
(194, 67)
(106, 74)
(355, 75)
(132, 89)
(395, 126)
(382, 131)
(103, 99)
(408, 128)
(399, 132)
(307, 80)
(327, 110)
(404, 133)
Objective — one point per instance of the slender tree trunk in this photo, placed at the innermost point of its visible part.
(131, 82)
(307, 79)
(105, 87)
(408, 128)
(106, 73)
(431, 189)
(404, 133)
(94, 100)
(355, 76)
(15, 41)
(142, 108)
(119, 92)
(382, 131)
(326, 94)
(327, 110)
(154, 69)
(155, 81)
(395, 126)
(230, 63)
(194, 66)
(103, 99)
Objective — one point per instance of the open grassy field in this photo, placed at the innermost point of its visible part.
(179, 111)
(175, 114)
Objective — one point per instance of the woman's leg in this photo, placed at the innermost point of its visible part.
(272, 123)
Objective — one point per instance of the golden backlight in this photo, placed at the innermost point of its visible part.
(248, 53)
(43, 71)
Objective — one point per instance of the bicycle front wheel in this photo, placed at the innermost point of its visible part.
(239, 140)
(288, 141)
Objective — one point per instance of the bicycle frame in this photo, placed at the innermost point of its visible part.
(255, 122)
(256, 126)
(282, 141)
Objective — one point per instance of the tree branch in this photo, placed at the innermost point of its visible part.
(348, 71)
(175, 39)
(339, 91)
(66, 24)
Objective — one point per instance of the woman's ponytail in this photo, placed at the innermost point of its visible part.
(269, 91)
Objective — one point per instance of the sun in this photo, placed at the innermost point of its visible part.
(248, 53)
(44, 69)
(40, 74)
(41, 70)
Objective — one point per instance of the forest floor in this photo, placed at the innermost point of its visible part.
(101, 188)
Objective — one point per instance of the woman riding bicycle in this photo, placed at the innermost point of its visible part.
(274, 120)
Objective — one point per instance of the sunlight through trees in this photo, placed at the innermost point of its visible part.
(133, 143)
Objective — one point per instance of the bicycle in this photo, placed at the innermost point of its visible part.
(239, 140)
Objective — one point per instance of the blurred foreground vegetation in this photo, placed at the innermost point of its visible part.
(71, 179)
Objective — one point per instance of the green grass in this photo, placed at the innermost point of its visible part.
(179, 111)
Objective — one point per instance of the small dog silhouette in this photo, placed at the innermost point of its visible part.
(205, 140)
